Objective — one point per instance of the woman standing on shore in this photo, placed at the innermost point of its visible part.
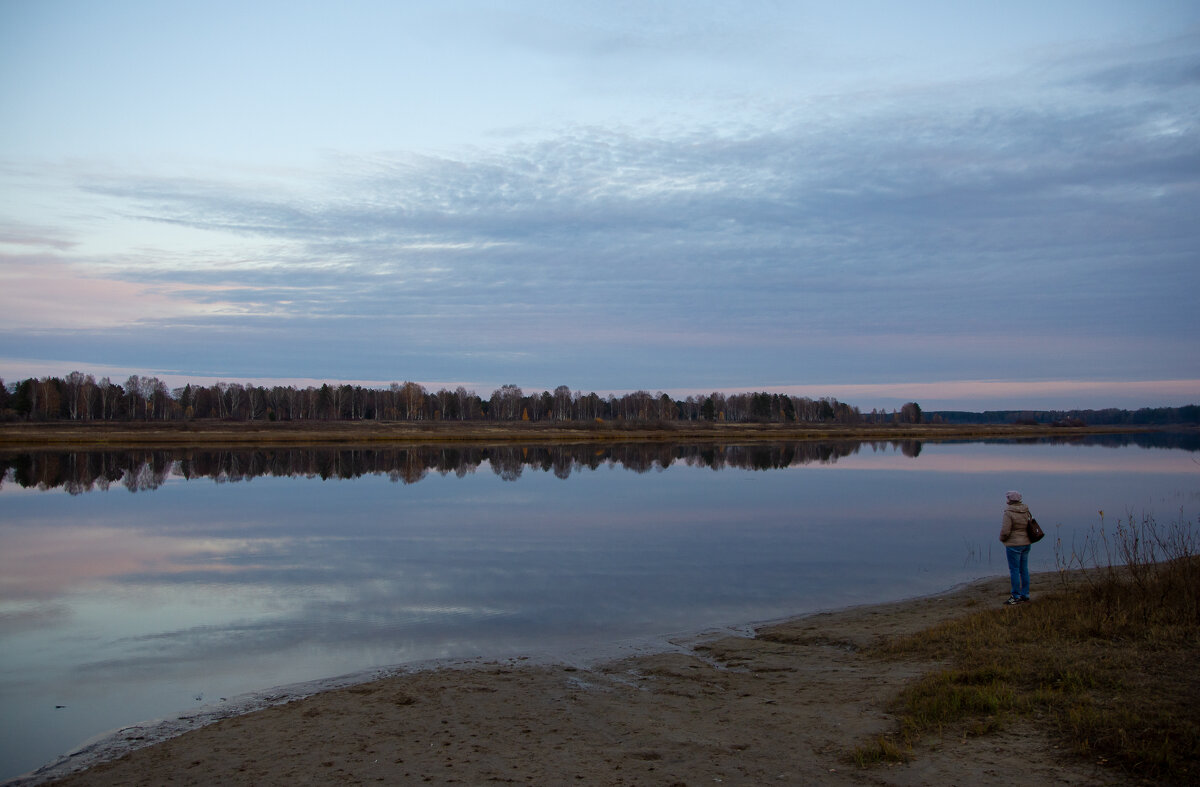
(1015, 537)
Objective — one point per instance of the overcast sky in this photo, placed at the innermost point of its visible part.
(967, 204)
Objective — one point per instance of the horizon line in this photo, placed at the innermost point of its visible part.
(953, 394)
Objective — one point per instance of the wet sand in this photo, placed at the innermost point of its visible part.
(785, 706)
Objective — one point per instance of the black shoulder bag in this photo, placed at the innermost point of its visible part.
(1034, 531)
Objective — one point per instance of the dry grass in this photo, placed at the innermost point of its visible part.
(263, 433)
(1109, 663)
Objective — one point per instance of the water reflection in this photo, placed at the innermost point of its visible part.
(140, 470)
(129, 607)
(80, 471)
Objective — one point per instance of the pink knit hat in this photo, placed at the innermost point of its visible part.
(1014, 497)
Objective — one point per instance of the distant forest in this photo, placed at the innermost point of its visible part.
(1146, 416)
(81, 397)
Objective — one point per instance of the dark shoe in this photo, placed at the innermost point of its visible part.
(1024, 599)
(1012, 600)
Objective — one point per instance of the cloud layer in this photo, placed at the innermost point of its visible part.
(1036, 224)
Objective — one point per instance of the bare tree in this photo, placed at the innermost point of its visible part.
(160, 397)
(562, 403)
(133, 390)
(468, 403)
(73, 386)
(447, 403)
(506, 402)
(257, 399)
(219, 389)
(107, 395)
(412, 399)
(236, 393)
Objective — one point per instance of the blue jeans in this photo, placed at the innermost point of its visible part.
(1018, 570)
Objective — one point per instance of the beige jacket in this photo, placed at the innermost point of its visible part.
(1016, 520)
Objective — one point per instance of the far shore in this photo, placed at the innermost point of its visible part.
(137, 434)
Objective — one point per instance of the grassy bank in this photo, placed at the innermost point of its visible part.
(1108, 663)
(263, 433)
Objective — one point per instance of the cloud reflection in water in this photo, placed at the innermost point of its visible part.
(129, 606)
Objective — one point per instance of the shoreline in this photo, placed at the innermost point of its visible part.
(175, 434)
(778, 699)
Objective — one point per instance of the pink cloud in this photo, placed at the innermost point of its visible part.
(23, 235)
(45, 562)
(44, 293)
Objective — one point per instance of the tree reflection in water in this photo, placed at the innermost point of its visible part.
(79, 471)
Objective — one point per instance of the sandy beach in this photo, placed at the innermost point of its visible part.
(784, 706)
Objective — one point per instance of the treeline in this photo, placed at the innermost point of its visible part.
(80, 397)
(1146, 416)
(141, 470)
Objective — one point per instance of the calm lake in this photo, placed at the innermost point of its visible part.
(145, 585)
